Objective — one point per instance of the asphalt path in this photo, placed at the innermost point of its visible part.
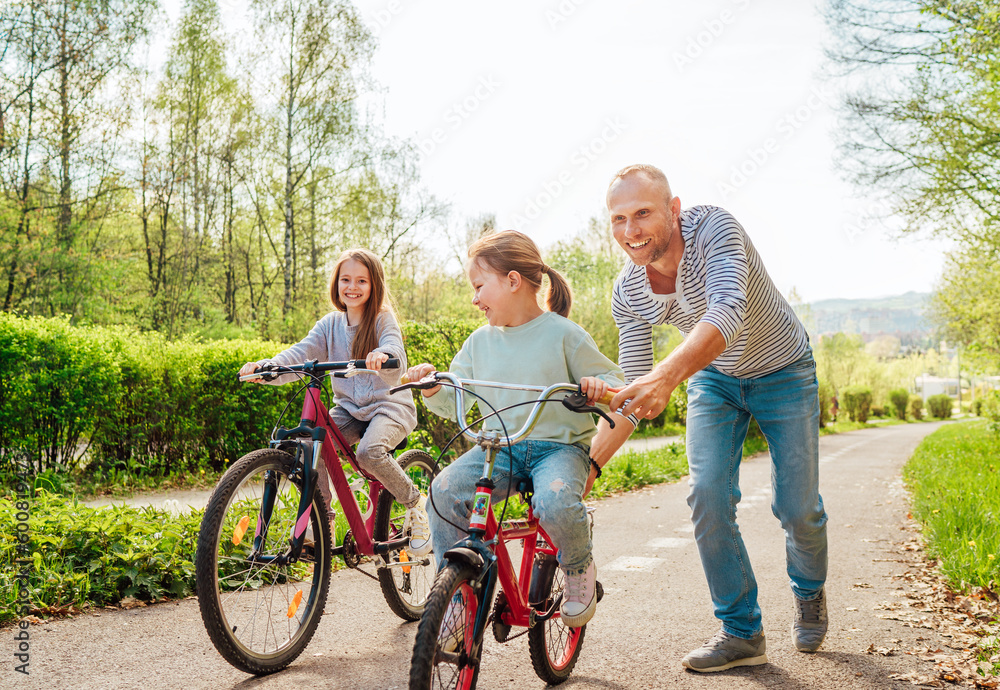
(656, 606)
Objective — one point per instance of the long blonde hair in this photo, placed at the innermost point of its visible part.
(510, 250)
(379, 300)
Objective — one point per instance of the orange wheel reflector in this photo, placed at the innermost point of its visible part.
(294, 606)
(240, 530)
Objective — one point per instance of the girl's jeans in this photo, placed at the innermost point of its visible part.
(559, 473)
(786, 407)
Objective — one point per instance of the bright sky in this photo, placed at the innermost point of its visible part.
(526, 108)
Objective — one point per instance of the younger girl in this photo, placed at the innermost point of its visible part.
(524, 344)
(364, 327)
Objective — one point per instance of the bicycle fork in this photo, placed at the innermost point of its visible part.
(311, 453)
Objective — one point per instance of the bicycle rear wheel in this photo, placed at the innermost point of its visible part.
(405, 587)
(554, 647)
(260, 615)
(443, 651)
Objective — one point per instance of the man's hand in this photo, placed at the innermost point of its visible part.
(651, 392)
(647, 396)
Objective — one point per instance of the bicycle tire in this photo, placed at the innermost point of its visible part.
(260, 616)
(405, 588)
(434, 666)
(554, 647)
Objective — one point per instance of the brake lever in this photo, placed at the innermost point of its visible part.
(429, 381)
(577, 402)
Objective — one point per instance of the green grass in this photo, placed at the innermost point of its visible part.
(954, 477)
(632, 470)
(646, 430)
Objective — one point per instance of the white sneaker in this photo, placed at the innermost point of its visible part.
(452, 627)
(419, 528)
(579, 597)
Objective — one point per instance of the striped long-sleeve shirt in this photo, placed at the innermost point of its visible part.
(722, 281)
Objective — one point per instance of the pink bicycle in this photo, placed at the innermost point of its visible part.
(265, 546)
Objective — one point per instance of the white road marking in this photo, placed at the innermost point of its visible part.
(634, 564)
(668, 543)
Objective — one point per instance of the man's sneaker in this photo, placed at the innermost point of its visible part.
(810, 624)
(419, 528)
(726, 651)
(579, 597)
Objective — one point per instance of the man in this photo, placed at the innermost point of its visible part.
(745, 354)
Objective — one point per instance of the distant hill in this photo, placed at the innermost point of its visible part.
(901, 316)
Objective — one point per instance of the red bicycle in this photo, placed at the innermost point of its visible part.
(448, 646)
(265, 546)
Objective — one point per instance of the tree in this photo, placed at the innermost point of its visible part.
(64, 61)
(967, 303)
(923, 127)
(922, 119)
(324, 50)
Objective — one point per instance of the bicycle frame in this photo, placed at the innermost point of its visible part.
(326, 441)
(486, 546)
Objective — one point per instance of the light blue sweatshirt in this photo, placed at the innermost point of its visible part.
(548, 349)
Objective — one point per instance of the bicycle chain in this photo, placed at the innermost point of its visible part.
(498, 607)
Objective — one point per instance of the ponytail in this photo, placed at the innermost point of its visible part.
(559, 298)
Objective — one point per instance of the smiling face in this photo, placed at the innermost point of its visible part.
(644, 217)
(354, 287)
(492, 294)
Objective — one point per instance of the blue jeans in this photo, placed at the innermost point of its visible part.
(559, 473)
(786, 407)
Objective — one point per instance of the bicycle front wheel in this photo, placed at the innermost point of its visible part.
(258, 614)
(554, 647)
(443, 651)
(405, 587)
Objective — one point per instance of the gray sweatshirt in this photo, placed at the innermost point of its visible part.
(365, 395)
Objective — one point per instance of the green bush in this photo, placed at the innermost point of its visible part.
(917, 407)
(900, 399)
(82, 555)
(825, 402)
(991, 410)
(436, 343)
(940, 405)
(878, 411)
(119, 400)
(976, 407)
(857, 402)
(55, 383)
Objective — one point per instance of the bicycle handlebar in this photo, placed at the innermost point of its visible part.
(575, 401)
(351, 367)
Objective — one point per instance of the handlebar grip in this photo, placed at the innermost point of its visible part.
(607, 397)
(391, 363)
